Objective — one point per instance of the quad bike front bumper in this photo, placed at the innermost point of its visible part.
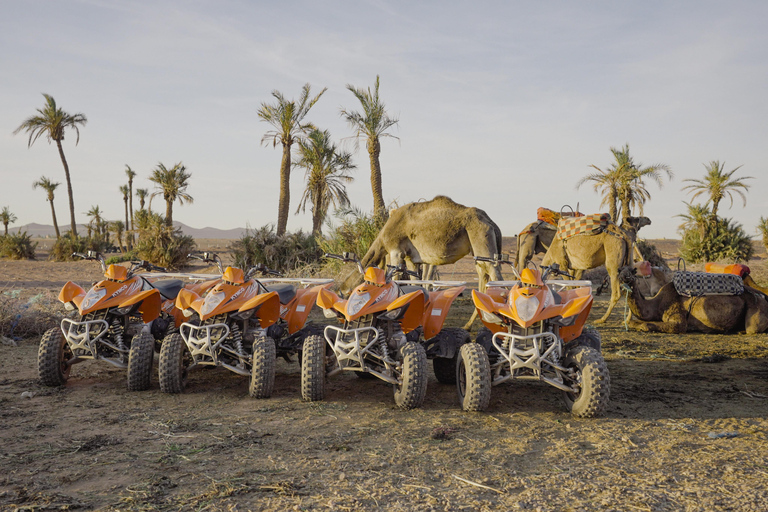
(533, 357)
(355, 354)
(84, 337)
(205, 351)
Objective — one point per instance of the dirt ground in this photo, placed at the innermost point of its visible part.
(687, 429)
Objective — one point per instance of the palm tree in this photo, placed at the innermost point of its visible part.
(172, 185)
(371, 124)
(51, 121)
(718, 184)
(131, 174)
(126, 196)
(141, 193)
(697, 218)
(94, 226)
(6, 217)
(117, 227)
(287, 119)
(326, 174)
(49, 186)
(623, 183)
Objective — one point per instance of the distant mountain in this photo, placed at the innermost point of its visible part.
(43, 230)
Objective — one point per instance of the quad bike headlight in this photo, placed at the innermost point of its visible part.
(526, 307)
(490, 318)
(356, 303)
(395, 313)
(92, 297)
(329, 313)
(212, 301)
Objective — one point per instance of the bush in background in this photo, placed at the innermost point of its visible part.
(160, 244)
(17, 247)
(64, 247)
(652, 254)
(721, 239)
(763, 229)
(286, 254)
(355, 233)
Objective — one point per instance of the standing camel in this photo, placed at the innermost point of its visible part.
(535, 238)
(611, 248)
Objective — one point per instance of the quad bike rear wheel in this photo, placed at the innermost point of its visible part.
(445, 367)
(52, 358)
(140, 359)
(174, 362)
(413, 388)
(313, 369)
(592, 380)
(473, 378)
(263, 368)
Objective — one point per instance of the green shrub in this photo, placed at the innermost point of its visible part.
(18, 246)
(67, 244)
(355, 233)
(723, 239)
(286, 254)
(160, 244)
(119, 258)
(763, 229)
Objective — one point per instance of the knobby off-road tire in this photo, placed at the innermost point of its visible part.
(174, 361)
(263, 368)
(592, 399)
(445, 367)
(313, 369)
(52, 357)
(410, 394)
(589, 337)
(473, 378)
(140, 359)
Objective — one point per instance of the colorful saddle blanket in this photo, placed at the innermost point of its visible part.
(696, 284)
(593, 224)
(552, 217)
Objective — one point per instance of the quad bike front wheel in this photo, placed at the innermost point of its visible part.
(591, 378)
(473, 378)
(589, 337)
(313, 369)
(174, 363)
(140, 360)
(413, 388)
(52, 358)
(263, 368)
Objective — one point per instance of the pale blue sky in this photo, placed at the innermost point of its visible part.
(502, 105)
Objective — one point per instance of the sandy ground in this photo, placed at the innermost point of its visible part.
(687, 429)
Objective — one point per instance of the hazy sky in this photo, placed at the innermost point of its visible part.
(502, 105)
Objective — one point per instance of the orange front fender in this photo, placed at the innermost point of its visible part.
(186, 298)
(437, 310)
(415, 312)
(267, 306)
(326, 298)
(71, 293)
(150, 304)
(296, 317)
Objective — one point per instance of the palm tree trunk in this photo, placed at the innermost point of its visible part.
(6, 228)
(285, 191)
(317, 215)
(169, 213)
(55, 223)
(127, 237)
(379, 208)
(69, 189)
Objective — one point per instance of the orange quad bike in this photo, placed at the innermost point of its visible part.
(535, 331)
(120, 320)
(241, 324)
(388, 330)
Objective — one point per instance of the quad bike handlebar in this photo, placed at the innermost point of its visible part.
(135, 265)
(210, 257)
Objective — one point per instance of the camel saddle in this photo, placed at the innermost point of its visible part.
(697, 284)
(568, 227)
(551, 217)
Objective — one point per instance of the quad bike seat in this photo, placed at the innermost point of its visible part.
(168, 288)
(413, 288)
(285, 291)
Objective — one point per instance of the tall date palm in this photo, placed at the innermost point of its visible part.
(51, 121)
(287, 119)
(371, 124)
(50, 187)
(172, 185)
(718, 184)
(326, 173)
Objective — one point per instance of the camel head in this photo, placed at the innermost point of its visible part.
(628, 275)
(635, 222)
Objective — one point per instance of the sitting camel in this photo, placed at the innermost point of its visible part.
(612, 248)
(670, 312)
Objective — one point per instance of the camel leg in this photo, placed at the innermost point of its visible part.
(613, 274)
(756, 318)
